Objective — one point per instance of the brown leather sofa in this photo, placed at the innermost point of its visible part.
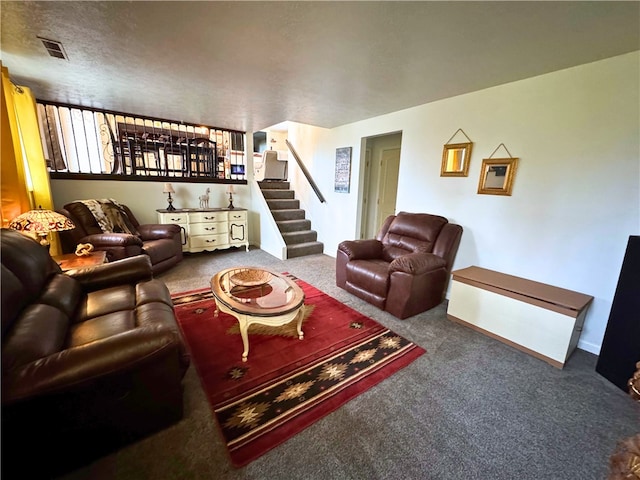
(162, 243)
(90, 359)
(405, 269)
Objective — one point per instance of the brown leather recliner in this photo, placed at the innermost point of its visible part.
(405, 269)
(161, 242)
(90, 359)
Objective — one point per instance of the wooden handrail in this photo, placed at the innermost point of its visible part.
(305, 171)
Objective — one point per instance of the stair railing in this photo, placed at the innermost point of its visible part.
(305, 171)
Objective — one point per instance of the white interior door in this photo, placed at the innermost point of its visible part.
(388, 186)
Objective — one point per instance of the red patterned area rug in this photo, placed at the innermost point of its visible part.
(287, 383)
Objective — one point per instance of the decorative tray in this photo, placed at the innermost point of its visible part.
(250, 278)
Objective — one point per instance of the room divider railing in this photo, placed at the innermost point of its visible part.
(87, 142)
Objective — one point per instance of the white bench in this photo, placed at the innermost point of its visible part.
(539, 319)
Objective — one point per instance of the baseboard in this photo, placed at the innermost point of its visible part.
(589, 347)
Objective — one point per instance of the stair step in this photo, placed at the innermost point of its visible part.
(296, 231)
(271, 194)
(274, 185)
(294, 225)
(288, 214)
(305, 236)
(302, 249)
(284, 204)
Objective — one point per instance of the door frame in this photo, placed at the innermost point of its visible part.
(369, 181)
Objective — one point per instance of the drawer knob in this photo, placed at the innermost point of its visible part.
(211, 241)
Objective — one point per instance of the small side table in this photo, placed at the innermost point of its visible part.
(69, 261)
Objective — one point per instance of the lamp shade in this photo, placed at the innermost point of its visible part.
(41, 221)
(168, 188)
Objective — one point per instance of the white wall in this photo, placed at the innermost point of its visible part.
(576, 195)
(145, 197)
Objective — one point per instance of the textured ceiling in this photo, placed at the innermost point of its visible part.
(250, 65)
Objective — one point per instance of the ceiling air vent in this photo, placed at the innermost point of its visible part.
(54, 48)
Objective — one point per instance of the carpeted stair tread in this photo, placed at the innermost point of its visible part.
(302, 249)
(274, 184)
(288, 214)
(289, 203)
(270, 194)
(294, 225)
(295, 238)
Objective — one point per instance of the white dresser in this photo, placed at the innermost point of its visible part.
(209, 229)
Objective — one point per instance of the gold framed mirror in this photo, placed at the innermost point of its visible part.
(496, 176)
(455, 160)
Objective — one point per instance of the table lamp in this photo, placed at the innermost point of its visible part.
(41, 222)
(230, 192)
(168, 189)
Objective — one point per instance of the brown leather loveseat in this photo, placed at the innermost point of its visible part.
(405, 269)
(162, 243)
(90, 359)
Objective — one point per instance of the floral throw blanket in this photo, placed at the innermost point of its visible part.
(110, 215)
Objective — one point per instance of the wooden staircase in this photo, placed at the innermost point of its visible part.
(290, 218)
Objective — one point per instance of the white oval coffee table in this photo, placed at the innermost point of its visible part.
(271, 299)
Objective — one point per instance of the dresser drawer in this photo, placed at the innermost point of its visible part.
(177, 218)
(203, 217)
(238, 216)
(208, 241)
(208, 228)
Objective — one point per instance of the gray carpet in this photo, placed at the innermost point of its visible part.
(470, 408)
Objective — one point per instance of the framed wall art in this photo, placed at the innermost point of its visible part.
(343, 170)
(456, 157)
(455, 160)
(496, 176)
